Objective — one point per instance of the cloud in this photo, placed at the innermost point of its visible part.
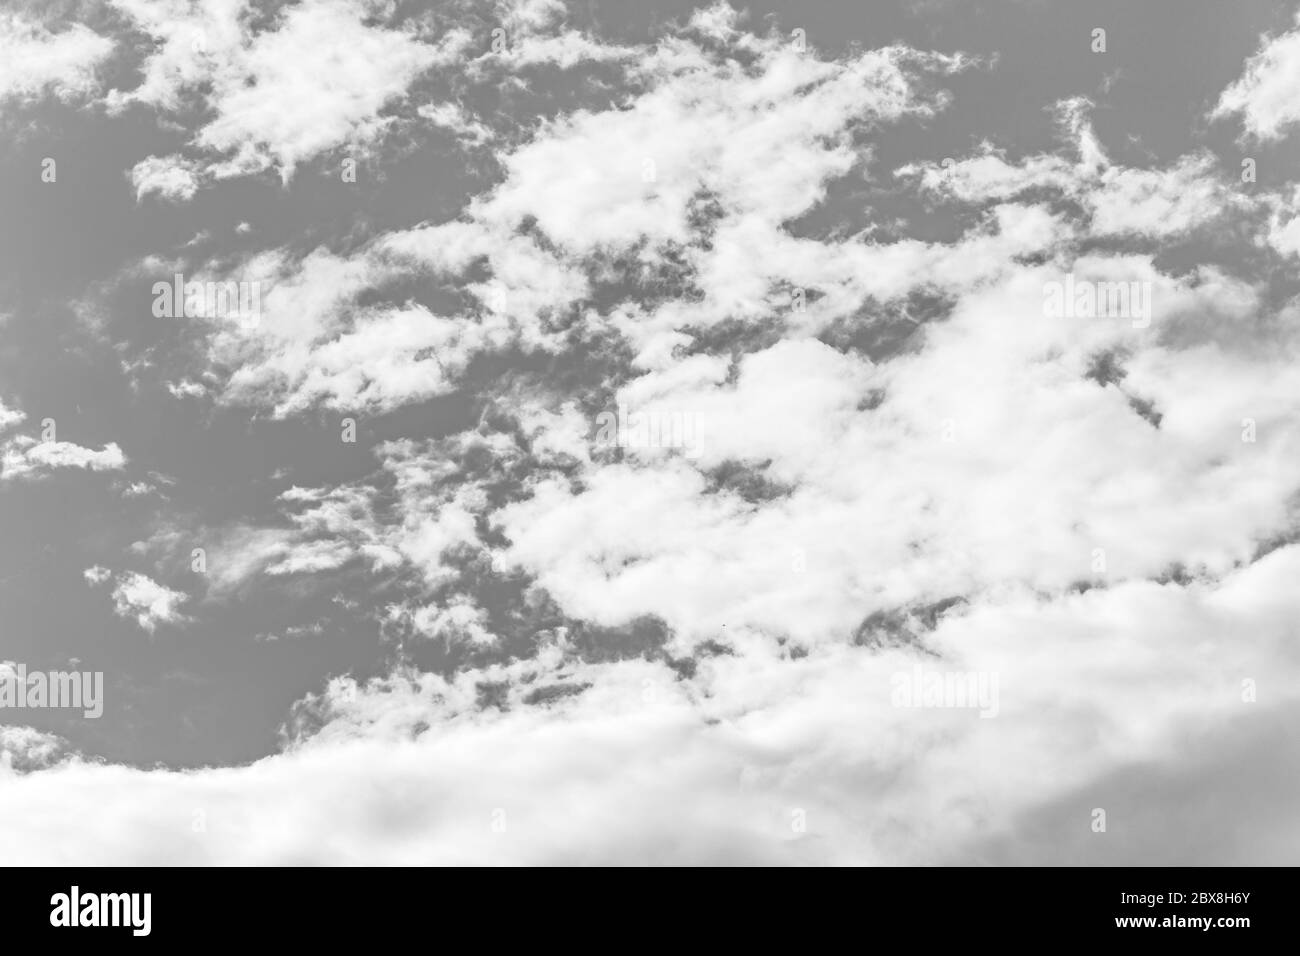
(170, 177)
(1284, 225)
(453, 117)
(313, 347)
(761, 758)
(25, 457)
(97, 574)
(316, 81)
(829, 429)
(35, 60)
(528, 34)
(1120, 201)
(899, 458)
(461, 619)
(1267, 94)
(186, 389)
(758, 144)
(9, 417)
(144, 599)
(25, 749)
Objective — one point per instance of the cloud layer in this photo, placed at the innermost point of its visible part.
(699, 428)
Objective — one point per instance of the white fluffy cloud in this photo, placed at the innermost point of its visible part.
(1095, 511)
(24, 749)
(761, 142)
(1121, 201)
(139, 597)
(761, 148)
(170, 177)
(26, 457)
(1267, 94)
(35, 60)
(1284, 226)
(887, 509)
(10, 417)
(533, 33)
(97, 574)
(761, 759)
(318, 80)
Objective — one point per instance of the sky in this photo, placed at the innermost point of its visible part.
(612, 432)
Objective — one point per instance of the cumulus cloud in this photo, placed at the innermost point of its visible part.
(26, 457)
(169, 177)
(9, 417)
(139, 597)
(456, 119)
(1121, 201)
(1284, 224)
(1267, 94)
(640, 765)
(533, 33)
(899, 459)
(761, 147)
(36, 60)
(825, 426)
(97, 574)
(25, 749)
(759, 150)
(319, 78)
